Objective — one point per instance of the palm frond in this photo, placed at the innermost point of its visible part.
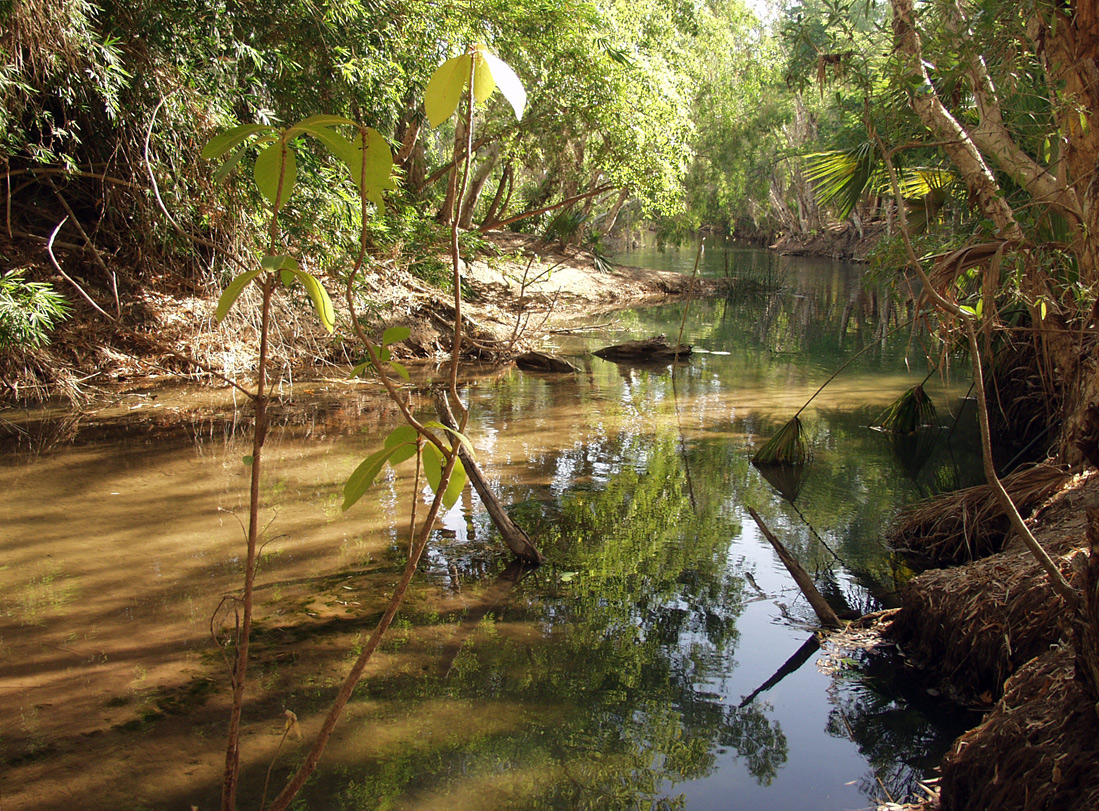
(841, 176)
(787, 447)
(910, 411)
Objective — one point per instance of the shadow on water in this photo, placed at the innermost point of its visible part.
(660, 659)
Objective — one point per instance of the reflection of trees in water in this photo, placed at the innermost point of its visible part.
(609, 697)
(891, 729)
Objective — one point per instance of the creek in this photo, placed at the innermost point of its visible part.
(634, 670)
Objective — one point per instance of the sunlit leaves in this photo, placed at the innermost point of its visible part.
(289, 270)
(385, 356)
(223, 142)
(232, 293)
(366, 156)
(506, 80)
(402, 444)
(451, 79)
(445, 89)
(276, 172)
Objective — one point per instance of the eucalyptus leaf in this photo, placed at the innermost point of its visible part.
(399, 435)
(433, 465)
(402, 371)
(229, 165)
(483, 83)
(281, 262)
(444, 90)
(395, 334)
(364, 475)
(508, 83)
(456, 485)
(222, 143)
(322, 303)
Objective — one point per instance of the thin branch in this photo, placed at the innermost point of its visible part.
(98, 258)
(567, 201)
(67, 277)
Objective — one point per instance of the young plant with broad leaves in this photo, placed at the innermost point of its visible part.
(368, 160)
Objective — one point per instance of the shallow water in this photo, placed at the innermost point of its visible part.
(626, 673)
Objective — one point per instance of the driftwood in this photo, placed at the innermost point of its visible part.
(544, 362)
(516, 539)
(824, 611)
(655, 349)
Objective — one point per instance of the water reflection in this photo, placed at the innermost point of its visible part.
(659, 661)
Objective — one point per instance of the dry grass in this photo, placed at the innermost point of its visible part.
(970, 524)
(1038, 749)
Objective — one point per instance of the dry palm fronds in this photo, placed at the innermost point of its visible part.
(975, 625)
(1039, 748)
(910, 411)
(969, 524)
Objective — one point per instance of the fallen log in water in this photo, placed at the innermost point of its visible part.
(824, 611)
(649, 350)
(544, 362)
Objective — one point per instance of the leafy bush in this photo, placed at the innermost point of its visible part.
(28, 311)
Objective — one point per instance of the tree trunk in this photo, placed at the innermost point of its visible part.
(499, 201)
(616, 209)
(477, 184)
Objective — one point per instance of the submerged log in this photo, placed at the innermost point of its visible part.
(544, 362)
(824, 611)
(655, 349)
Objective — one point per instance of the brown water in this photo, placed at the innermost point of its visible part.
(613, 677)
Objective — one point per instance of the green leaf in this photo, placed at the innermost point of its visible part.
(395, 334)
(444, 90)
(222, 143)
(360, 370)
(399, 369)
(287, 277)
(232, 292)
(1042, 309)
(281, 262)
(433, 465)
(400, 435)
(359, 482)
(461, 437)
(269, 167)
(402, 453)
(229, 165)
(247, 460)
(507, 81)
(322, 120)
(456, 485)
(483, 83)
(321, 301)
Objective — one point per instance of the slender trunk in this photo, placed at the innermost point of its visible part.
(477, 184)
(498, 205)
(239, 675)
(956, 141)
(616, 209)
